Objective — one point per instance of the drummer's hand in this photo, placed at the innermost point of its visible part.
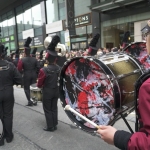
(107, 134)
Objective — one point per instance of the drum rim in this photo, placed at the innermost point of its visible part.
(62, 96)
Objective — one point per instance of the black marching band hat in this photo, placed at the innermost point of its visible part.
(146, 29)
(92, 46)
(27, 48)
(41, 54)
(34, 52)
(51, 53)
(17, 53)
(126, 37)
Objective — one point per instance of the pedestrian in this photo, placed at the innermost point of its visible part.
(48, 80)
(139, 140)
(30, 67)
(9, 76)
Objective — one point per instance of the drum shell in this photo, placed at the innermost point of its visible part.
(35, 92)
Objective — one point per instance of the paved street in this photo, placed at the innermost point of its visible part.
(29, 135)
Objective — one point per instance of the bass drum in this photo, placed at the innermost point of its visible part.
(99, 89)
(139, 52)
(1, 130)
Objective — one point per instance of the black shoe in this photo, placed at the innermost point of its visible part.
(55, 128)
(9, 140)
(49, 129)
(29, 103)
(1, 142)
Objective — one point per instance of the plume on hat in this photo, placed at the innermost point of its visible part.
(17, 52)
(126, 37)
(34, 50)
(54, 42)
(41, 54)
(94, 41)
(28, 42)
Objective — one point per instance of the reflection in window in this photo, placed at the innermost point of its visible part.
(36, 16)
(5, 28)
(12, 46)
(62, 10)
(52, 11)
(20, 25)
(27, 19)
(81, 30)
(11, 26)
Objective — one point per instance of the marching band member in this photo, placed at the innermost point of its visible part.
(41, 61)
(33, 54)
(92, 50)
(30, 68)
(9, 76)
(139, 140)
(16, 57)
(48, 80)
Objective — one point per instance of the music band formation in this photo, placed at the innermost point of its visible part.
(100, 87)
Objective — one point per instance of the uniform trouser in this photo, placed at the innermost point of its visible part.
(50, 99)
(6, 110)
(28, 80)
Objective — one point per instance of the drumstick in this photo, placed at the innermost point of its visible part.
(67, 107)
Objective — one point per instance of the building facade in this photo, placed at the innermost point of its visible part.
(40, 18)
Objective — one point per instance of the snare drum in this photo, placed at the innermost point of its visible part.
(139, 52)
(35, 92)
(99, 89)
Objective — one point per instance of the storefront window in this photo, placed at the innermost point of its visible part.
(5, 28)
(52, 11)
(81, 7)
(11, 26)
(27, 19)
(62, 9)
(36, 16)
(81, 30)
(20, 25)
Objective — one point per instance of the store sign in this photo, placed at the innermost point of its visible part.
(84, 19)
(28, 33)
(3, 40)
(70, 16)
(38, 40)
(54, 27)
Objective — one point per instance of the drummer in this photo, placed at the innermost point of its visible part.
(139, 140)
(30, 68)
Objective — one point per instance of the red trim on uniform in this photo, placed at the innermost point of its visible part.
(20, 65)
(41, 78)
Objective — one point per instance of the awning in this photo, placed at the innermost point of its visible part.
(112, 4)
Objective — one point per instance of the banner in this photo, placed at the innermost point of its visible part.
(70, 17)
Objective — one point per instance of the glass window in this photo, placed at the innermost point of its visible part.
(52, 11)
(11, 26)
(81, 30)
(7, 45)
(89, 29)
(20, 36)
(36, 16)
(81, 7)
(62, 37)
(27, 19)
(62, 9)
(38, 31)
(20, 25)
(5, 28)
(12, 46)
